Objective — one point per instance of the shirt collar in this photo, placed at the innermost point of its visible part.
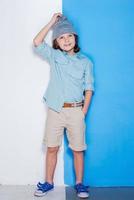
(76, 55)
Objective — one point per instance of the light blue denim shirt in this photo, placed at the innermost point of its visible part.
(70, 76)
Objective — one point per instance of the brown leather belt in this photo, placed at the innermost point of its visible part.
(75, 104)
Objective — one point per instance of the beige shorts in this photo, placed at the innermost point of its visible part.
(73, 119)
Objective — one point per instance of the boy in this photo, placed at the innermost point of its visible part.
(70, 76)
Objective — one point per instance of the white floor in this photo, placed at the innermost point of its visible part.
(26, 193)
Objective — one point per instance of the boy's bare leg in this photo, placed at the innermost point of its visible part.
(78, 165)
(51, 160)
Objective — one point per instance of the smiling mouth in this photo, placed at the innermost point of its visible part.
(67, 45)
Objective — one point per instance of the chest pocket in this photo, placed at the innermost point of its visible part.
(61, 59)
(72, 67)
(76, 71)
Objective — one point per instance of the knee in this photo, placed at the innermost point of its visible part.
(52, 150)
(78, 153)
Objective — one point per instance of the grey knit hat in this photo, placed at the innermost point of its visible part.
(62, 26)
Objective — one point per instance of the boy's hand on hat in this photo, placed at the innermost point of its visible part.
(55, 18)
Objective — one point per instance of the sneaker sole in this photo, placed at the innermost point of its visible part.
(37, 194)
(84, 196)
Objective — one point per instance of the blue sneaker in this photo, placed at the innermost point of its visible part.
(43, 189)
(82, 190)
(40, 185)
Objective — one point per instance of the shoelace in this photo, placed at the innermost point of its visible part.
(81, 188)
(43, 186)
(40, 185)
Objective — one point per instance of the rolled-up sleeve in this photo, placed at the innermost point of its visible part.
(45, 51)
(89, 77)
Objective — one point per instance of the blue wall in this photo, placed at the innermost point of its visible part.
(106, 30)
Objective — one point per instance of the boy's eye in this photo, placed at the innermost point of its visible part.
(61, 38)
(70, 35)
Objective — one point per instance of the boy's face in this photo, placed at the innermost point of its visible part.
(66, 42)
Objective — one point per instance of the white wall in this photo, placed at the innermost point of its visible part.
(23, 80)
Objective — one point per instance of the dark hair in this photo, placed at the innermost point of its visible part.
(76, 47)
